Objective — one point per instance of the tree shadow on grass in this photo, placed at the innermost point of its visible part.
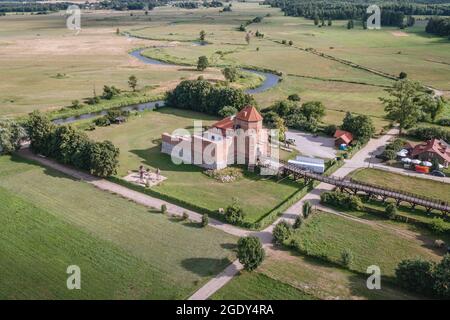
(205, 267)
(49, 171)
(229, 246)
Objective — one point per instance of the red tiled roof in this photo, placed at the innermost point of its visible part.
(224, 124)
(249, 114)
(346, 136)
(436, 146)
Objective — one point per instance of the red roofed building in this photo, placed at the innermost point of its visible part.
(342, 137)
(238, 139)
(432, 149)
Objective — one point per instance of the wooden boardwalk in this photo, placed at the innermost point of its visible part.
(355, 187)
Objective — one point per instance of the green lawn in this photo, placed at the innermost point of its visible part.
(287, 275)
(257, 286)
(138, 142)
(327, 235)
(425, 187)
(49, 221)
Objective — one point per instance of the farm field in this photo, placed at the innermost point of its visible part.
(124, 250)
(425, 187)
(314, 279)
(324, 236)
(138, 140)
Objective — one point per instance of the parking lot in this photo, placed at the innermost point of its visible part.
(312, 146)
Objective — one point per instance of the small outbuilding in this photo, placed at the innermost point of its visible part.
(342, 137)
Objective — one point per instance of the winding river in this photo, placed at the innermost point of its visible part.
(270, 81)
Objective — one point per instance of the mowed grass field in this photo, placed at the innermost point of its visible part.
(328, 235)
(49, 221)
(138, 140)
(288, 275)
(425, 187)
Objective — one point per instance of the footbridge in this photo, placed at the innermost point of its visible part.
(355, 187)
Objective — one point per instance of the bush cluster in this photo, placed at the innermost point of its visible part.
(202, 96)
(342, 200)
(425, 277)
(427, 133)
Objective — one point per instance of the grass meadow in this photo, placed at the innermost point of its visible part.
(37, 48)
(49, 221)
(327, 235)
(425, 187)
(289, 275)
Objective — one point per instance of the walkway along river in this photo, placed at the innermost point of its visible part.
(270, 81)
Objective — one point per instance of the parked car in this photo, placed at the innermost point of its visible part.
(437, 173)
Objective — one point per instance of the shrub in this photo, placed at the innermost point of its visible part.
(437, 225)
(444, 122)
(330, 130)
(282, 232)
(76, 104)
(205, 220)
(347, 258)
(294, 97)
(185, 215)
(227, 111)
(427, 133)
(342, 200)
(163, 208)
(298, 222)
(415, 275)
(391, 211)
(442, 278)
(102, 122)
(234, 213)
(306, 209)
(250, 252)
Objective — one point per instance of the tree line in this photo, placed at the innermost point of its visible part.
(70, 146)
(392, 14)
(438, 26)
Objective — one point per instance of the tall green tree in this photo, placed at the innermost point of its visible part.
(230, 73)
(432, 106)
(11, 135)
(202, 35)
(442, 278)
(404, 103)
(202, 63)
(103, 158)
(313, 110)
(250, 252)
(361, 126)
(39, 129)
(132, 82)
